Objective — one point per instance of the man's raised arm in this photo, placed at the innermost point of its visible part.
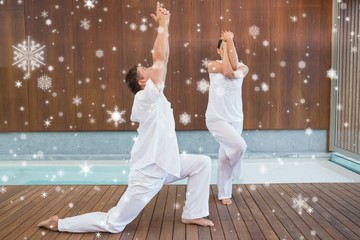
(160, 51)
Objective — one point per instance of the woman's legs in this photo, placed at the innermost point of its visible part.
(231, 153)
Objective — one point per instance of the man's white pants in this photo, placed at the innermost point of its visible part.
(141, 189)
(231, 152)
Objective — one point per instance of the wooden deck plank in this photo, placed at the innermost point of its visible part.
(285, 201)
(321, 226)
(355, 188)
(16, 197)
(169, 214)
(271, 218)
(27, 229)
(245, 213)
(279, 212)
(13, 192)
(70, 207)
(158, 216)
(332, 193)
(179, 228)
(145, 219)
(225, 218)
(95, 204)
(15, 216)
(341, 222)
(344, 189)
(257, 212)
(216, 231)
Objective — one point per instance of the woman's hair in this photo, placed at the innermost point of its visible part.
(132, 78)
(219, 43)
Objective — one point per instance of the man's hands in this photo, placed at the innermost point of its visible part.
(162, 15)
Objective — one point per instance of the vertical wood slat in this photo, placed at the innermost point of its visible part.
(348, 120)
(14, 110)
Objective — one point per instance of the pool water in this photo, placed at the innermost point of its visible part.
(108, 172)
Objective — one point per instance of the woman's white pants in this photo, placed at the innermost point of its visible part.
(231, 152)
(141, 189)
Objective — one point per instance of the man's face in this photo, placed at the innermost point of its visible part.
(144, 73)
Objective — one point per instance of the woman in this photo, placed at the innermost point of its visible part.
(224, 115)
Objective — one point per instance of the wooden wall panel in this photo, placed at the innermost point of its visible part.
(295, 61)
(98, 64)
(240, 16)
(274, 96)
(14, 109)
(50, 23)
(192, 45)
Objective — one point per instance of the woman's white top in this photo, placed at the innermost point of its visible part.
(156, 142)
(225, 99)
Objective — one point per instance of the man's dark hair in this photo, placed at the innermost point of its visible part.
(132, 78)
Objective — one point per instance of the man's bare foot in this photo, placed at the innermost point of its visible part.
(50, 223)
(198, 221)
(226, 201)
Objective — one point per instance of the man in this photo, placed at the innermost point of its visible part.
(155, 158)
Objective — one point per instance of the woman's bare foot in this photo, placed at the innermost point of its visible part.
(226, 201)
(198, 221)
(50, 223)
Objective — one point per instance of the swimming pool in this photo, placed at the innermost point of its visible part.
(107, 172)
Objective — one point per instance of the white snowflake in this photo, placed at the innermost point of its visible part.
(203, 86)
(205, 62)
(254, 31)
(85, 24)
(4, 178)
(308, 131)
(99, 53)
(300, 204)
(331, 73)
(39, 155)
(264, 87)
(185, 118)
(48, 22)
(44, 194)
(18, 84)
(28, 55)
(132, 26)
(44, 82)
(89, 4)
(47, 122)
(144, 20)
(92, 120)
(116, 116)
(44, 14)
(85, 169)
(2, 2)
(77, 100)
(302, 64)
(354, 49)
(294, 18)
(143, 27)
(3, 189)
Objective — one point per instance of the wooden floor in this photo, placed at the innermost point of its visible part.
(332, 211)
